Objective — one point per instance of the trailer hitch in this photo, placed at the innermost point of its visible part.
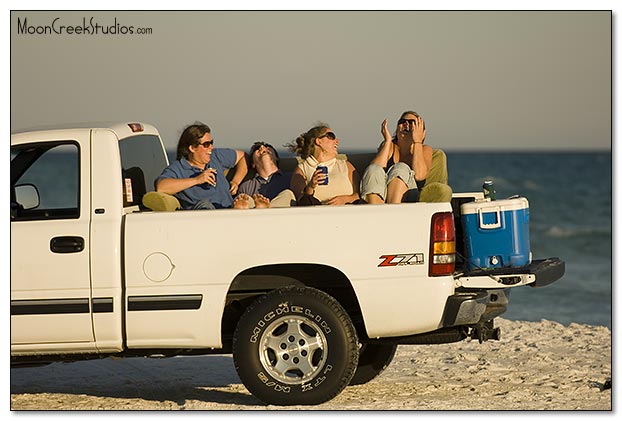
(485, 331)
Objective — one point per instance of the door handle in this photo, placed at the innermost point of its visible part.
(67, 244)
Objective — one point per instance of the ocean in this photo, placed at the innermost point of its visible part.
(570, 217)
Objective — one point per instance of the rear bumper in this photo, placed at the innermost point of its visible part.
(470, 308)
(538, 273)
(484, 294)
(547, 271)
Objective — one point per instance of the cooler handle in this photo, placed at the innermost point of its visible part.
(492, 226)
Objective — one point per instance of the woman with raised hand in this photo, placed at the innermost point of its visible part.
(410, 165)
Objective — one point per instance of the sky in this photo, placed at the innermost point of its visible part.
(482, 80)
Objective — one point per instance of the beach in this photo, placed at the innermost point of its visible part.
(534, 366)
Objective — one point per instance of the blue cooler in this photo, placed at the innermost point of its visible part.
(496, 233)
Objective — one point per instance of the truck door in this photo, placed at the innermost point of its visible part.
(50, 211)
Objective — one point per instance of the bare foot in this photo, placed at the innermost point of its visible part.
(261, 201)
(241, 202)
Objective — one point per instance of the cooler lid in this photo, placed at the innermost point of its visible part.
(503, 205)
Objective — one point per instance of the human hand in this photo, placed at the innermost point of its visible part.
(233, 188)
(416, 129)
(338, 200)
(384, 130)
(208, 176)
(318, 178)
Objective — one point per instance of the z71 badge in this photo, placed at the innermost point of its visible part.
(390, 260)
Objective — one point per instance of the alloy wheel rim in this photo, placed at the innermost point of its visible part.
(293, 349)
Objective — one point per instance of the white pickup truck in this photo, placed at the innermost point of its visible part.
(307, 299)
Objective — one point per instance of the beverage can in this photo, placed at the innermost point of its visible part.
(324, 170)
(209, 167)
(489, 190)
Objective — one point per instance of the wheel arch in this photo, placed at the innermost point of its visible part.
(256, 281)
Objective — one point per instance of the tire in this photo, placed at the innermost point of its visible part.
(373, 359)
(295, 346)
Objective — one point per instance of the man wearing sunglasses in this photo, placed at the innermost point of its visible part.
(197, 177)
(270, 186)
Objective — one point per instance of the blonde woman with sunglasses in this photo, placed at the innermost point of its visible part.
(323, 176)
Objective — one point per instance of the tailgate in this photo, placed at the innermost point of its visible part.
(538, 273)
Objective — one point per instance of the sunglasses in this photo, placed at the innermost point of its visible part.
(406, 120)
(329, 135)
(207, 144)
(258, 145)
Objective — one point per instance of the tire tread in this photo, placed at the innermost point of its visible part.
(345, 324)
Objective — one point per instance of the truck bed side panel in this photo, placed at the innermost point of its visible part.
(179, 265)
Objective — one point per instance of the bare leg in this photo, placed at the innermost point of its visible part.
(374, 199)
(261, 201)
(396, 190)
(241, 202)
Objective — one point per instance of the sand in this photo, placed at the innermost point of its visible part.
(535, 366)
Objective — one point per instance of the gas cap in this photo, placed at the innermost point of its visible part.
(158, 267)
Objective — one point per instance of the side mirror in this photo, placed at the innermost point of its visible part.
(27, 196)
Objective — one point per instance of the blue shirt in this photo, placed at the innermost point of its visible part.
(270, 188)
(219, 195)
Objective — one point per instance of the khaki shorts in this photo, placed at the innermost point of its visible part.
(375, 180)
(284, 199)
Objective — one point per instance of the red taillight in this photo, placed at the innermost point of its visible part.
(136, 127)
(442, 244)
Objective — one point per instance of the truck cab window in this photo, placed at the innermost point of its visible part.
(45, 181)
(144, 153)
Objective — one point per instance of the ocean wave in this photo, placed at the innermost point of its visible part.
(504, 185)
(566, 232)
(532, 185)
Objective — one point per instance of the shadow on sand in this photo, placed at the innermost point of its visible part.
(175, 379)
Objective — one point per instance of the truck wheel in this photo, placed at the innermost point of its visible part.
(295, 346)
(373, 359)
